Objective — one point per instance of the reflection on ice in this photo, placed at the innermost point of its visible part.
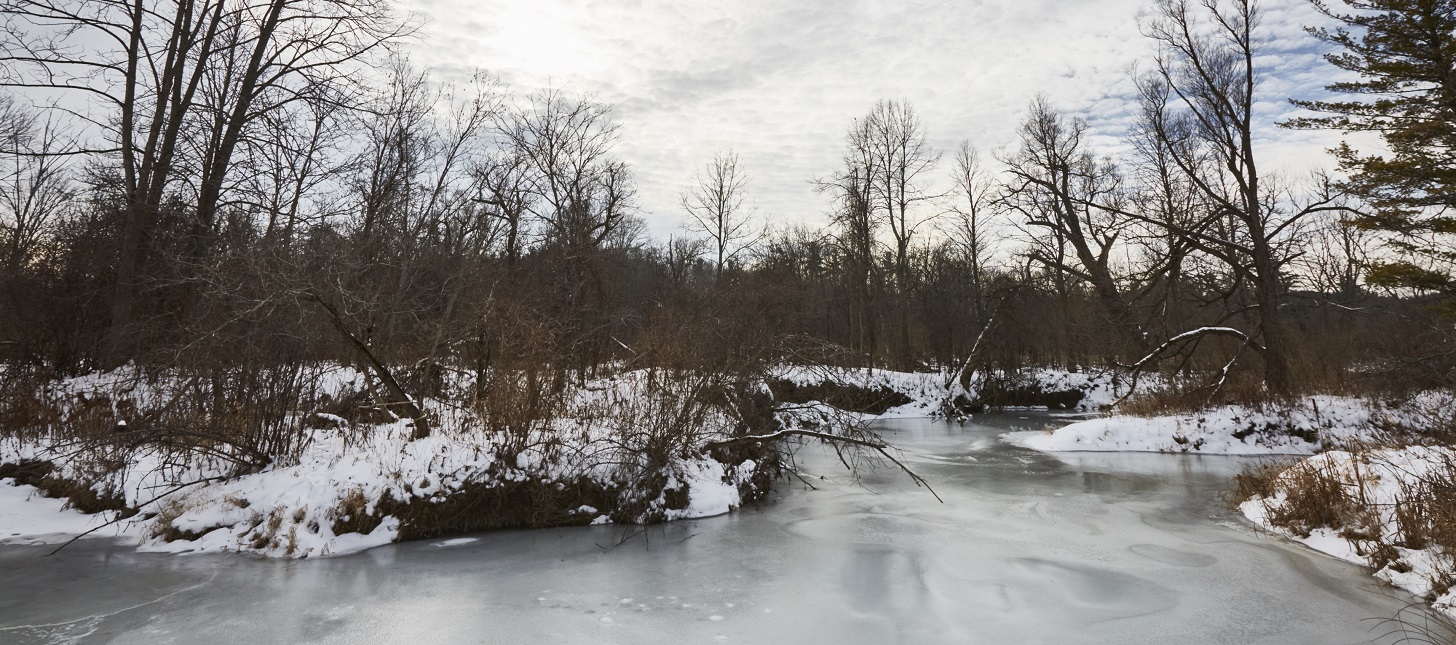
(1165, 466)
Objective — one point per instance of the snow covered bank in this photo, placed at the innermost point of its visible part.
(1389, 509)
(625, 448)
(890, 394)
(1304, 428)
(28, 517)
(875, 392)
(1045, 388)
(342, 496)
(632, 447)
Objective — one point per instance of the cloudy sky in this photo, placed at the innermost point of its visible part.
(779, 80)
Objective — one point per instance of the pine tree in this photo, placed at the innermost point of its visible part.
(1404, 52)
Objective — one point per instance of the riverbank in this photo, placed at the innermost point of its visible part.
(627, 448)
(632, 447)
(1028, 547)
(1302, 427)
(1367, 481)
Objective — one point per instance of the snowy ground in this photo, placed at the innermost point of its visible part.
(1303, 429)
(929, 391)
(1381, 480)
(926, 390)
(27, 517)
(1309, 426)
(290, 509)
(1099, 387)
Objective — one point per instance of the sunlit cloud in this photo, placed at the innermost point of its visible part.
(779, 81)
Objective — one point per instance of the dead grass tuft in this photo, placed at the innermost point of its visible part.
(79, 495)
(352, 515)
(1257, 480)
(1321, 495)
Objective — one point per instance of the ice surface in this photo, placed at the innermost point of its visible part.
(1028, 548)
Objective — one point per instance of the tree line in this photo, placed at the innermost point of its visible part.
(240, 189)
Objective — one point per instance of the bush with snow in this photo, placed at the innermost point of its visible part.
(1391, 509)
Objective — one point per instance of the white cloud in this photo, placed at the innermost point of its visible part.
(779, 81)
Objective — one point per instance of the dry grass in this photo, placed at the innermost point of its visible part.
(1417, 624)
(80, 495)
(352, 515)
(1425, 517)
(163, 526)
(1426, 513)
(1335, 494)
(1324, 496)
(1191, 393)
(1257, 480)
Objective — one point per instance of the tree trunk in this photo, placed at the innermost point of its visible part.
(1276, 354)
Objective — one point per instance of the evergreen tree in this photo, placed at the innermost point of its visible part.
(1404, 52)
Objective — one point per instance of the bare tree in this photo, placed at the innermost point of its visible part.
(34, 187)
(895, 138)
(581, 193)
(292, 164)
(680, 254)
(505, 180)
(1162, 193)
(716, 208)
(172, 88)
(1337, 255)
(1057, 185)
(973, 206)
(419, 228)
(851, 189)
(1200, 104)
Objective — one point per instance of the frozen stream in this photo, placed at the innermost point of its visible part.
(1028, 548)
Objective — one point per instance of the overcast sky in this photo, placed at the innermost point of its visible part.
(779, 80)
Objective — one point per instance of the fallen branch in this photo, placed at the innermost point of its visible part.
(878, 446)
(119, 516)
(963, 376)
(385, 376)
(1136, 369)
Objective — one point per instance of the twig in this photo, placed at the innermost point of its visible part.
(880, 447)
(1137, 368)
(119, 517)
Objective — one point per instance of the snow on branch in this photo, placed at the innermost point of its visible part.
(1181, 339)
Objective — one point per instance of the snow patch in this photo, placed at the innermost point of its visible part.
(28, 517)
(1302, 429)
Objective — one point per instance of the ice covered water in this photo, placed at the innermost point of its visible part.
(1027, 548)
